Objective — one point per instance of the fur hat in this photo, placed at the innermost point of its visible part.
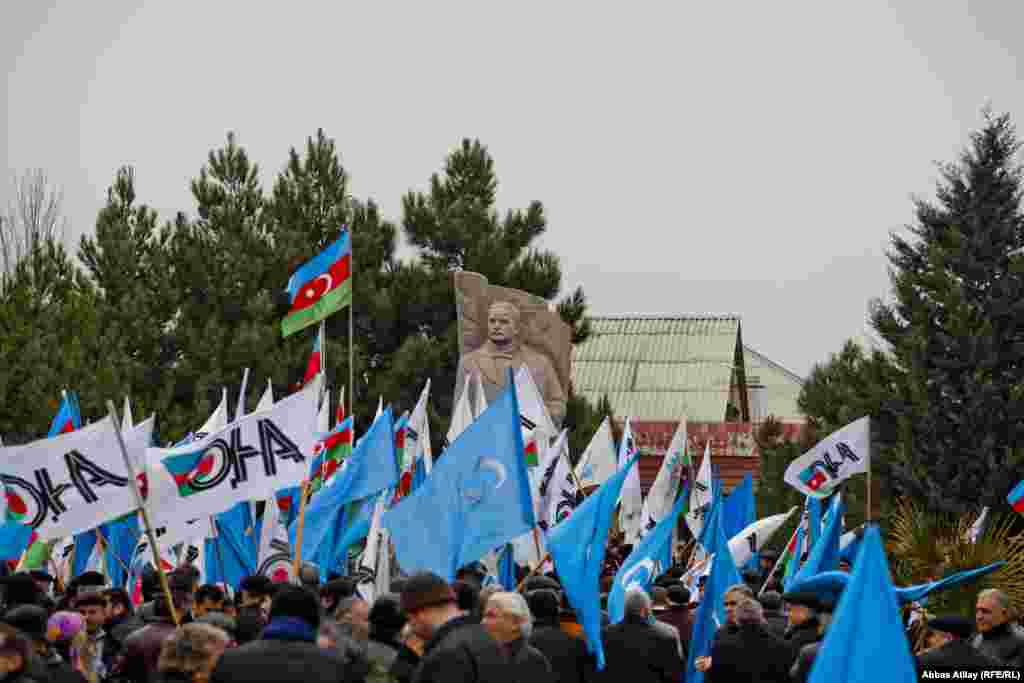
(425, 590)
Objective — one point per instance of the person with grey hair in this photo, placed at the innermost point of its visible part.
(997, 636)
(636, 650)
(508, 620)
(750, 653)
(353, 617)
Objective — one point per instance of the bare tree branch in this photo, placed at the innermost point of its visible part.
(33, 216)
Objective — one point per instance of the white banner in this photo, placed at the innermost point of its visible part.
(598, 463)
(72, 482)
(662, 496)
(701, 495)
(250, 459)
(837, 458)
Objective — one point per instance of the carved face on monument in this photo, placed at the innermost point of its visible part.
(502, 323)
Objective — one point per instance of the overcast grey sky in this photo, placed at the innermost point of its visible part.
(741, 157)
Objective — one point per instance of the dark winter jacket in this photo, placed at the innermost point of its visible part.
(250, 623)
(956, 654)
(461, 651)
(568, 656)
(404, 667)
(1004, 643)
(637, 652)
(801, 669)
(138, 658)
(778, 624)
(527, 664)
(751, 653)
(804, 634)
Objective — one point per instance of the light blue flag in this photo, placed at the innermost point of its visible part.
(577, 546)
(824, 555)
(371, 469)
(707, 536)
(915, 593)
(866, 641)
(814, 521)
(711, 612)
(476, 498)
(645, 563)
(738, 509)
(121, 536)
(507, 568)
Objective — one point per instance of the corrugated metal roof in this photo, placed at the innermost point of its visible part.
(659, 367)
(781, 386)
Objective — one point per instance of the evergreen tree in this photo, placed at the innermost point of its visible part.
(954, 418)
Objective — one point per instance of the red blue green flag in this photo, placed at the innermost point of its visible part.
(190, 470)
(68, 417)
(1016, 498)
(329, 453)
(314, 367)
(320, 287)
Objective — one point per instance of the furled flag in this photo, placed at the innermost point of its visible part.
(251, 458)
(320, 287)
(462, 415)
(242, 391)
(578, 547)
(476, 498)
(557, 491)
(794, 552)
(418, 458)
(323, 416)
(838, 457)
(314, 367)
(662, 496)
(645, 563)
(374, 575)
(480, 404)
(824, 555)
(631, 513)
(739, 509)
(87, 482)
(127, 421)
(68, 417)
(974, 533)
(329, 453)
(711, 611)
(701, 495)
(598, 462)
(867, 635)
(369, 470)
(533, 411)
(267, 399)
(1016, 498)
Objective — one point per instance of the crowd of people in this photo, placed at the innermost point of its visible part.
(428, 630)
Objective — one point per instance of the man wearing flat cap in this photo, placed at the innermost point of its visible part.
(826, 599)
(949, 646)
(803, 619)
(457, 648)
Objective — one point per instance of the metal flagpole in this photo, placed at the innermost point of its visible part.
(867, 498)
(145, 515)
(351, 330)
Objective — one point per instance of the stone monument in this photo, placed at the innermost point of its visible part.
(502, 329)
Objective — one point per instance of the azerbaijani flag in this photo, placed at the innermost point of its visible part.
(329, 453)
(530, 451)
(314, 368)
(1016, 498)
(792, 556)
(187, 468)
(813, 477)
(68, 417)
(320, 287)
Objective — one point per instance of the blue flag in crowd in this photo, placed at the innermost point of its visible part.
(371, 469)
(711, 612)
(645, 563)
(577, 546)
(231, 555)
(824, 555)
(121, 536)
(738, 511)
(814, 521)
(867, 635)
(507, 568)
(68, 417)
(476, 498)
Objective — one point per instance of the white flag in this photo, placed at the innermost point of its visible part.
(532, 411)
(380, 407)
(978, 527)
(417, 435)
(218, 420)
(271, 531)
(480, 405)
(701, 495)
(251, 459)
(462, 415)
(73, 482)
(323, 417)
(835, 459)
(662, 496)
(375, 565)
(631, 513)
(267, 399)
(127, 421)
(240, 408)
(558, 488)
(752, 539)
(598, 463)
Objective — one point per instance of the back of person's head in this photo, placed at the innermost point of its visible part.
(29, 619)
(90, 600)
(771, 601)
(749, 611)
(150, 584)
(515, 605)
(191, 648)
(544, 604)
(637, 604)
(295, 603)
(20, 589)
(386, 618)
(679, 594)
(209, 592)
(467, 597)
(257, 585)
(741, 589)
(309, 576)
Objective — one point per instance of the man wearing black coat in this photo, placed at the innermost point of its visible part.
(804, 625)
(287, 650)
(949, 647)
(570, 661)
(997, 636)
(750, 653)
(637, 652)
(456, 648)
(778, 624)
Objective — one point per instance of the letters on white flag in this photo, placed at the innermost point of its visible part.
(835, 459)
(662, 496)
(250, 459)
(73, 482)
(701, 495)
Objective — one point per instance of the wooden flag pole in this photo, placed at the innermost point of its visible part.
(298, 531)
(112, 410)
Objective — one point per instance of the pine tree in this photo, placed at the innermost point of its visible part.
(954, 418)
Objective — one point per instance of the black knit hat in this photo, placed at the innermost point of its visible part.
(20, 589)
(426, 590)
(954, 624)
(299, 603)
(386, 617)
(679, 594)
(29, 619)
(544, 604)
(257, 584)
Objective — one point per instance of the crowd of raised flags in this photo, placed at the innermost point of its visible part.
(265, 490)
